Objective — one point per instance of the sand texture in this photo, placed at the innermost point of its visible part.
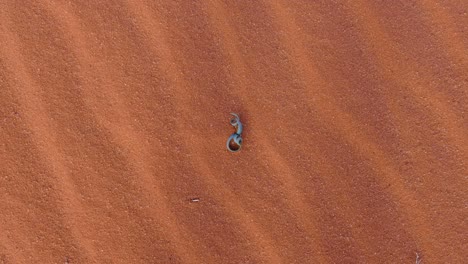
(114, 117)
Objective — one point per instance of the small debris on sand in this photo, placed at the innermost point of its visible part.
(418, 259)
(195, 200)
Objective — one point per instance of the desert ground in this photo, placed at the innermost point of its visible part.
(114, 117)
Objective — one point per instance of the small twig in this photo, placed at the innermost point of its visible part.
(418, 258)
(195, 200)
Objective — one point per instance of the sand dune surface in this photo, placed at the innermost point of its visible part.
(114, 117)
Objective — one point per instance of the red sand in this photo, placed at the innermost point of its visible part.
(114, 117)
